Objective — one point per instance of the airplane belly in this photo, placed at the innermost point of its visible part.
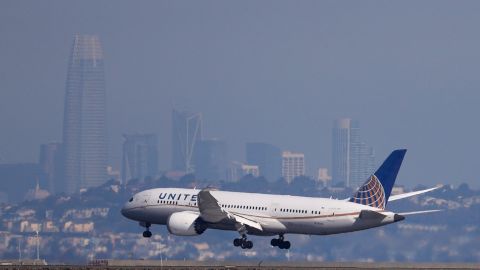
(321, 226)
(272, 226)
(304, 226)
(334, 225)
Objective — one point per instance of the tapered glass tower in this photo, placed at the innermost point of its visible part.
(186, 133)
(84, 130)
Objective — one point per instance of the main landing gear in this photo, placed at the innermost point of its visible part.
(147, 233)
(243, 242)
(280, 243)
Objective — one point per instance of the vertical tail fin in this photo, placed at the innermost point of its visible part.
(376, 190)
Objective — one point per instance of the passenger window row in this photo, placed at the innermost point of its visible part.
(298, 211)
(171, 202)
(261, 208)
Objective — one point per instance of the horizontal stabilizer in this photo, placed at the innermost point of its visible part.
(410, 194)
(419, 212)
(369, 214)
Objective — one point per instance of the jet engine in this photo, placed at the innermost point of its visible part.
(186, 223)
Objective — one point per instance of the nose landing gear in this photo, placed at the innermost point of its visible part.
(147, 233)
(280, 243)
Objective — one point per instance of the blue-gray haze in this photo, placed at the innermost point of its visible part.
(272, 71)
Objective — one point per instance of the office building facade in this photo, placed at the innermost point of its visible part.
(267, 157)
(84, 125)
(352, 160)
(211, 160)
(51, 162)
(140, 156)
(237, 170)
(293, 165)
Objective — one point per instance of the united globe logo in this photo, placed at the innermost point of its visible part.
(371, 193)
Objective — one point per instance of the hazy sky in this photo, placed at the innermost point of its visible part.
(274, 71)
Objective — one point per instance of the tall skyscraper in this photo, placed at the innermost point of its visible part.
(293, 165)
(186, 133)
(211, 160)
(367, 165)
(140, 156)
(268, 158)
(84, 128)
(50, 161)
(352, 160)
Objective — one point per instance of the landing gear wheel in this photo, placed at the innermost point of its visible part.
(275, 242)
(247, 245)
(243, 242)
(146, 233)
(237, 242)
(280, 243)
(284, 245)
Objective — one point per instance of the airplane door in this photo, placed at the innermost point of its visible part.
(274, 208)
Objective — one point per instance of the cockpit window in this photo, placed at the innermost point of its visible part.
(131, 199)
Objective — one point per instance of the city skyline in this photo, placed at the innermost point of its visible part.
(257, 74)
(128, 126)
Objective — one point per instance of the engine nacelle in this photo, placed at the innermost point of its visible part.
(186, 223)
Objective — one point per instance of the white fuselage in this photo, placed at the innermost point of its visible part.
(277, 214)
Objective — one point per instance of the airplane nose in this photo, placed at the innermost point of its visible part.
(124, 211)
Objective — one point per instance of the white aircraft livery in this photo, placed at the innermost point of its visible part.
(189, 212)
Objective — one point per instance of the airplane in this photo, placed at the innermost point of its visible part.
(189, 212)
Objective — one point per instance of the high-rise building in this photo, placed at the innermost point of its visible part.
(237, 170)
(84, 128)
(140, 156)
(267, 157)
(352, 160)
(293, 165)
(323, 177)
(211, 160)
(366, 168)
(50, 161)
(186, 133)
(250, 170)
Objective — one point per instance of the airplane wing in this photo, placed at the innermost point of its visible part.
(410, 194)
(210, 211)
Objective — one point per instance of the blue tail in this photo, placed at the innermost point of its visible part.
(376, 190)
